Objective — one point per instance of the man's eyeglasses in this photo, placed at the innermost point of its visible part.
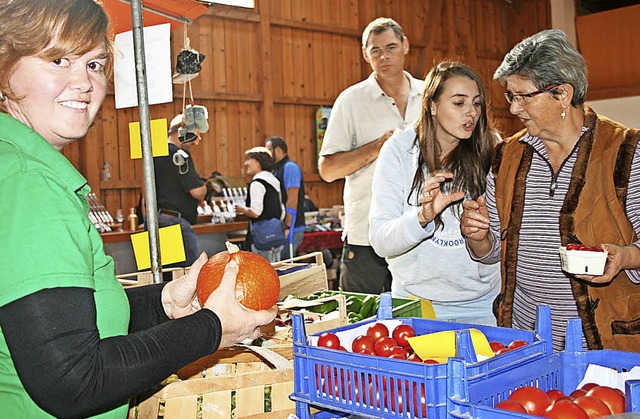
(521, 98)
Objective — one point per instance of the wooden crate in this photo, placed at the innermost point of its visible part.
(146, 277)
(246, 387)
(308, 274)
(321, 323)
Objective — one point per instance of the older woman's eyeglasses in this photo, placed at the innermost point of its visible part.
(522, 98)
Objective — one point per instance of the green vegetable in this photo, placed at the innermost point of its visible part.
(368, 307)
(324, 308)
(354, 305)
(354, 317)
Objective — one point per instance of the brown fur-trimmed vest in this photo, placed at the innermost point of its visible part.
(594, 211)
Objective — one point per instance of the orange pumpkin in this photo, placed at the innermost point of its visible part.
(257, 285)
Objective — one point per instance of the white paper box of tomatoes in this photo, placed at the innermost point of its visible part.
(583, 260)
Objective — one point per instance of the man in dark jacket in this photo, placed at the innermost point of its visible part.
(179, 187)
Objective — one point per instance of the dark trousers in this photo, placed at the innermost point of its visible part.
(362, 270)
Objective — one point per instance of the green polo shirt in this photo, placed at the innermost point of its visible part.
(48, 241)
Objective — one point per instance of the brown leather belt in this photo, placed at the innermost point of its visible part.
(170, 213)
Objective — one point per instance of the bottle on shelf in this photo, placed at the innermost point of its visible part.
(207, 208)
(218, 216)
(216, 208)
(133, 220)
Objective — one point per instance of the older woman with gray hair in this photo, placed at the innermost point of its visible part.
(570, 176)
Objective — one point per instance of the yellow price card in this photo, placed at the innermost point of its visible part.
(159, 138)
(171, 247)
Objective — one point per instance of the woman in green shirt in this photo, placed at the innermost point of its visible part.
(73, 343)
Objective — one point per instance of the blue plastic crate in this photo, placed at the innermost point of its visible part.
(377, 387)
(475, 398)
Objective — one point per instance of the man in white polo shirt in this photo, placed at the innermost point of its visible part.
(363, 117)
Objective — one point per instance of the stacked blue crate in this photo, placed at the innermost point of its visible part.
(379, 387)
(562, 370)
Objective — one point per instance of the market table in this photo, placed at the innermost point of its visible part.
(321, 240)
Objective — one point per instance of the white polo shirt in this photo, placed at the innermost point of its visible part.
(361, 114)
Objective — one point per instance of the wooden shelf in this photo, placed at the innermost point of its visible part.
(122, 236)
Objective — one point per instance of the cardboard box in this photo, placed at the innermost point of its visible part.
(233, 382)
(301, 278)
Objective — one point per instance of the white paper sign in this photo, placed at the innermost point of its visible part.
(605, 376)
(158, 66)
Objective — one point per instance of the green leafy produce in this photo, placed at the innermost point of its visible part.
(354, 305)
(369, 306)
(324, 308)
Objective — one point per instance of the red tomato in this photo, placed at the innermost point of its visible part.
(408, 349)
(532, 398)
(398, 396)
(396, 401)
(320, 374)
(501, 351)
(373, 397)
(554, 394)
(430, 361)
(329, 340)
(362, 344)
(383, 346)
(333, 387)
(377, 331)
(517, 344)
(610, 397)
(589, 386)
(595, 408)
(578, 393)
(397, 352)
(572, 246)
(371, 352)
(511, 405)
(414, 357)
(565, 409)
(423, 400)
(496, 346)
(368, 395)
(402, 332)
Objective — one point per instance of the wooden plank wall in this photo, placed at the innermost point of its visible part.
(268, 69)
(608, 42)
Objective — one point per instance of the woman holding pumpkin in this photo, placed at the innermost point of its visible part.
(73, 342)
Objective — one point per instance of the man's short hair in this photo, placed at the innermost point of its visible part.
(380, 25)
(278, 142)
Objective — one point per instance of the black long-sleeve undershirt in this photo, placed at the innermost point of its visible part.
(70, 372)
